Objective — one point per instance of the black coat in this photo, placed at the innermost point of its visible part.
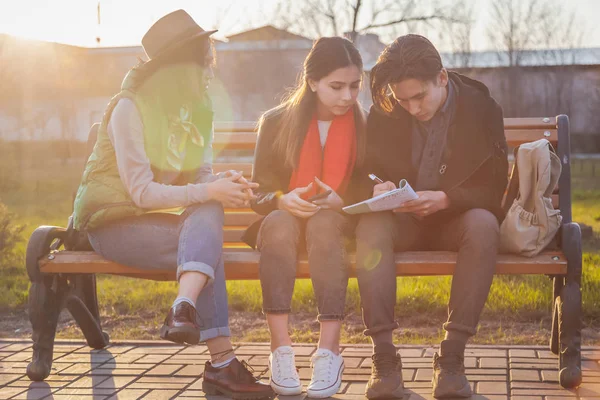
(273, 174)
(475, 156)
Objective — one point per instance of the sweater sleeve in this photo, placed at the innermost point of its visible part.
(126, 133)
(267, 172)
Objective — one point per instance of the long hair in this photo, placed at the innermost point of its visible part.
(327, 55)
(176, 76)
(408, 57)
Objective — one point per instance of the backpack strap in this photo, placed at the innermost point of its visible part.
(555, 170)
(513, 184)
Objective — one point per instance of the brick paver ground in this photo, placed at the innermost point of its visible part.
(155, 370)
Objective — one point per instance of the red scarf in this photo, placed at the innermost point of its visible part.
(334, 164)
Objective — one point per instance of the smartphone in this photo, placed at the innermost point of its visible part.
(319, 196)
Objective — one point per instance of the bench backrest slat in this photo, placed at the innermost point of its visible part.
(515, 137)
(242, 135)
(509, 123)
(530, 123)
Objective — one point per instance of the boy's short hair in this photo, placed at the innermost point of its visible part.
(408, 57)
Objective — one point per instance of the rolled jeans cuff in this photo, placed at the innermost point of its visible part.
(330, 317)
(212, 333)
(455, 326)
(380, 328)
(196, 266)
(277, 310)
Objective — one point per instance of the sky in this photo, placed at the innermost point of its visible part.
(123, 22)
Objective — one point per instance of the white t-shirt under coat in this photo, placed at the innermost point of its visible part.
(323, 131)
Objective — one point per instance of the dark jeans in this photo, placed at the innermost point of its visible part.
(473, 234)
(281, 238)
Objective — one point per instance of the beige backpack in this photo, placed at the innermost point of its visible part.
(531, 221)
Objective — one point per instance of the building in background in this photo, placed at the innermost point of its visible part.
(56, 91)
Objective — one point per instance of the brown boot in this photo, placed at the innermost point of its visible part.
(234, 381)
(180, 325)
(386, 375)
(449, 378)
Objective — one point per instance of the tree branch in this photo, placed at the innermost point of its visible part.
(424, 18)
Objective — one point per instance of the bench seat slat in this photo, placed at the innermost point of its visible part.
(244, 264)
(241, 218)
(519, 136)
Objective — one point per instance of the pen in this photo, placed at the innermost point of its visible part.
(375, 178)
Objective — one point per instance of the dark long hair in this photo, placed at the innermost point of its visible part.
(408, 57)
(298, 108)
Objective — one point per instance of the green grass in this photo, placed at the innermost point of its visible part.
(586, 208)
(40, 193)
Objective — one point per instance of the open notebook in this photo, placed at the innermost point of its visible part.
(385, 201)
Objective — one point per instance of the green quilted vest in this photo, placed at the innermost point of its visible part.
(173, 140)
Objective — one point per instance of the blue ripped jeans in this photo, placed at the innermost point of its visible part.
(192, 241)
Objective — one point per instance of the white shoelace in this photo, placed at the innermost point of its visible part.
(284, 364)
(321, 364)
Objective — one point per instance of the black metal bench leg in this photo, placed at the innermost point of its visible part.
(570, 310)
(83, 305)
(558, 283)
(46, 300)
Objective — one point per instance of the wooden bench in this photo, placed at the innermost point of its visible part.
(65, 277)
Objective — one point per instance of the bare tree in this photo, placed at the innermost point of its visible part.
(354, 17)
(225, 20)
(561, 34)
(455, 34)
(512, 29)
(540, 34)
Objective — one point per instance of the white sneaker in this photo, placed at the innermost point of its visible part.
(326, 375)
(284, 377)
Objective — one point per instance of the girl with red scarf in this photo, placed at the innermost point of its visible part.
(310, 145)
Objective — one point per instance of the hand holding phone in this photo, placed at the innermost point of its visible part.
(330, 200)
(320, 196)
(296, 205)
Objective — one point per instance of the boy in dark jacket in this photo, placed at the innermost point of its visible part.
(444, 133)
